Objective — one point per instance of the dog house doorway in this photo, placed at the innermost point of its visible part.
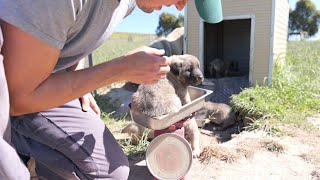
(226, 55)
(231, 41)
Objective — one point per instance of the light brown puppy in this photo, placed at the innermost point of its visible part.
(170, 94)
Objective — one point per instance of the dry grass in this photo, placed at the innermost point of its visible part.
(312, 157)
(248, 147)
(315, 175)
(247, 152)
(212, 153)
(272, 146)
(245, 148)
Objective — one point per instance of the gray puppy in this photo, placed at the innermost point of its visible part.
(172, 44)
(218, 113)
(217, 68)
(170, 94)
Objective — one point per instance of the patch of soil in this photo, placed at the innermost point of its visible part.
(315, 120)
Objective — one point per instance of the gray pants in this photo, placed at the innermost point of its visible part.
(10, 165)
(68, 143)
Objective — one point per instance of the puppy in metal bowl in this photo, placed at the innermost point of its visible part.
(170, 94)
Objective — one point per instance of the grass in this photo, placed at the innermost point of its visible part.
(136, 151)
(119, 44)
(312, 157)
(272, 146)
(246, 148)
(107, 109)
(294, 94)
(216, 152)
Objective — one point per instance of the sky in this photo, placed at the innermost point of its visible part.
(140, 22)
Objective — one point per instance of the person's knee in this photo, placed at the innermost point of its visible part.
(113, 166)
(118, 167)
(120, 173)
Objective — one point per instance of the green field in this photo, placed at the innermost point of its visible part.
(119, 44)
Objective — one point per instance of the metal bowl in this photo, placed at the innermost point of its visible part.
(197, 96)
(169, 157)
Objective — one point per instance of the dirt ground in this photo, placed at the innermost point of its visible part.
(252, 155)
(238, 155)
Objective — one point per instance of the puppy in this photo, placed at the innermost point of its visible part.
(217, 68)
(217, 113)
(170, 94)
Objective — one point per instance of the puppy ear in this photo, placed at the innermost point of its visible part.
(175, 67)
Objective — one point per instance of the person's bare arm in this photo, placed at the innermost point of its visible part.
(87, 100)
(32, 88)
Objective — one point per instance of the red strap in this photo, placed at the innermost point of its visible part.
(175, 126)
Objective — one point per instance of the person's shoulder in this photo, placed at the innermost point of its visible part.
(47, 20)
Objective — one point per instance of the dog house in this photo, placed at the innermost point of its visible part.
(251, 37)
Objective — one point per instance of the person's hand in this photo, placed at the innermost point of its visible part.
(87, 101)
(145, 65)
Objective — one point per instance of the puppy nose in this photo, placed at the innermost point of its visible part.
(200, 78)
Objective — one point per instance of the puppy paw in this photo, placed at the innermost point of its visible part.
(196, 153)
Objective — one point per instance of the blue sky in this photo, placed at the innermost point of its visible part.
(140, 22)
